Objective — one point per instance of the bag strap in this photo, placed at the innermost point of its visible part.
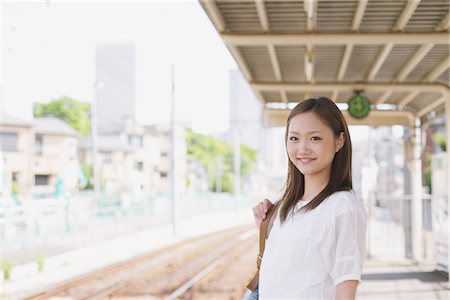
(264, 231)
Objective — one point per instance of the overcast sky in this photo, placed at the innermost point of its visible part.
(49, 48)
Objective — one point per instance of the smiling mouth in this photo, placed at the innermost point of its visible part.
(305, 160)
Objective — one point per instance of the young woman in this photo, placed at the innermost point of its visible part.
(316, 247)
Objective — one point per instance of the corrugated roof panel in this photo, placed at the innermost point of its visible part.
(258, 60)
(396, 97)
(295, 96)
(429, 62)
(286, 16)
(360, 61)
(335, 16)
(427, 15)
(343, 97)
(318, 95)
(327, 62)
(372, 96)
(240, 16)
(271, 96)
(424, 99)
(381, 15)
(394, 63)
(445, 78)
(291, 60)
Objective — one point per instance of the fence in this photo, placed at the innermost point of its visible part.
(389, 227)
(64, 223)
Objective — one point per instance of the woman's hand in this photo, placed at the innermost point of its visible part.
(260, 210)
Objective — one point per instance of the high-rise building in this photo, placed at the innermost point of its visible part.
(247, 125)
(245, 111)
(115, 88)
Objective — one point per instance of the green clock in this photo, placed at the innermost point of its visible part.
(358, 106)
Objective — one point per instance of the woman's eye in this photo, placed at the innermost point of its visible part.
(293, 138)
(316, 138)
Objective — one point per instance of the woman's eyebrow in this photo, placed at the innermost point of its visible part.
(314, 131)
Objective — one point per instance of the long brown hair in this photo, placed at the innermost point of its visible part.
(341, 169)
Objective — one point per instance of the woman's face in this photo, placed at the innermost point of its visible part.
(311, 144)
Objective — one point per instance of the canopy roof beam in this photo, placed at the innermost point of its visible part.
(438, 70)
(414, 61)
(274, 61)
(407, 13)
(216, 15)
(444, 24)
(379, 61)
(344, 62)
(345, 87)
(261, 9)
(278, 117)
(409, 98)
(335, 39)
(362, 4)
(384, 97)
(432, 106)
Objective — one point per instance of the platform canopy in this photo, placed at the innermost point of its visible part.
(394, 52)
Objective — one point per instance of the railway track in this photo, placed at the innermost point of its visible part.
(156, 274)
(225, 278)
(177, 283)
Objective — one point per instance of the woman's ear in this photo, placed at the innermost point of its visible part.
(340, 141)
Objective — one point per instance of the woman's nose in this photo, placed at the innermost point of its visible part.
(303, 147)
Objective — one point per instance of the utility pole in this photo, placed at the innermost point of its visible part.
(237, 165)
(235, 131)
(94, 141)
(173, 190)
(219, 173)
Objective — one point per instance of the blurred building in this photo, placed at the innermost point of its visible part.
(44, 157)
(55, 163)
(161, 134)
(17, 151)
(115, 87)
(136, 158)
(247, 127)
(38, 156)
(245, 112)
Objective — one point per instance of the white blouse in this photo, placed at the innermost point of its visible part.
(312, 252)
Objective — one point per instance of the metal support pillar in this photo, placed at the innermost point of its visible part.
(416, 203)
(406, 202)
(447, 124)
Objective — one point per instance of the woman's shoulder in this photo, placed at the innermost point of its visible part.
(344, 201)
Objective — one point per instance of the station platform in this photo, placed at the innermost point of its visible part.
(402, 280)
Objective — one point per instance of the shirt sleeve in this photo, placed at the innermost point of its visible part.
(343, 248)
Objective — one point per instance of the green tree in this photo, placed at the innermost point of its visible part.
(440, 140)
(427, 172)
(87, 171)
(75, 113)
(208, 150)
